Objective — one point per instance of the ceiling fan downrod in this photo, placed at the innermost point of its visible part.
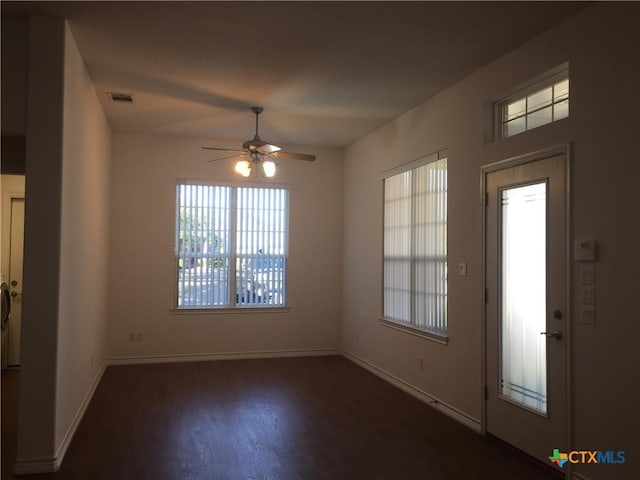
(257, 111)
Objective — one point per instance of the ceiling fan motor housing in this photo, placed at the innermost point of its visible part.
(254, 144)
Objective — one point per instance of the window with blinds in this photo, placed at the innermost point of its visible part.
(415, 246)
(231, 246)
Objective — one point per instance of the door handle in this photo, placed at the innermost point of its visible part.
(557, 334)
(15, 294)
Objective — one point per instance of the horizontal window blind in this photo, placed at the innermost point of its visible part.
(415, 247)
(231, 246)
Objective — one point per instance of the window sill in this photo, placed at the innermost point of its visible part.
(225, 311)
(434, 337)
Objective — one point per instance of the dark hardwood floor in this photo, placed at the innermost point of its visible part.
(296, 418)
(10, 386)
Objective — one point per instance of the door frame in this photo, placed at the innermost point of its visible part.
(564, 150)
(5, 254)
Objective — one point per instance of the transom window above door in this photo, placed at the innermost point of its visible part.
(543, 102)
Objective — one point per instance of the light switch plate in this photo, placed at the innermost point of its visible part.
(587, 274)
(462, 269)
(587, 295)
(588, 314)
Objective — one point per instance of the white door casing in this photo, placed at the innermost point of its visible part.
(533, 420)
(16, 248)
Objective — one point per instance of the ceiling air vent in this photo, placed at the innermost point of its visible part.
(120, 97)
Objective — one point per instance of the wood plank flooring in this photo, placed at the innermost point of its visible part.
(10, 387)
(275, 419)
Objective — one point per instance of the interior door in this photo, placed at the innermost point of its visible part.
(526, 298)
(16, 247)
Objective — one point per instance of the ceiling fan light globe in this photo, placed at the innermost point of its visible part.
(243, 167)
(269, 168)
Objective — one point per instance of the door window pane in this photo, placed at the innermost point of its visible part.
(523, 357)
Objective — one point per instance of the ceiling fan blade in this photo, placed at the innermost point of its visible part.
(293, 156)
(224, 149)
(235, 155)
(269, 148)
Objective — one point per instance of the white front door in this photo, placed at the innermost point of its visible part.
(16, 248)
(526, 299)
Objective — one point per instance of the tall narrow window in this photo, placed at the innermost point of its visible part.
(415, 246)
(231, 246)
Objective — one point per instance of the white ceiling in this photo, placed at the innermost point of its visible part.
(327, 73)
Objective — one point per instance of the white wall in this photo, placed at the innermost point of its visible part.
(41, 245)
(144, 172)
(601, 45)
(82, 312)
(66, 246)
(14, 75)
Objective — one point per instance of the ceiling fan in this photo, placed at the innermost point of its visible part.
(258, 152)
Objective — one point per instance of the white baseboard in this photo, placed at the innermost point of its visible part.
(203, 357)
(579, 476)
(432, 401)
(25, 466)
(28, 466)
(62, 449)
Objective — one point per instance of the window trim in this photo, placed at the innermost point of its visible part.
(442, 338)
(226, 310)
(538, 83)
(175, 309)
(416, 332)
